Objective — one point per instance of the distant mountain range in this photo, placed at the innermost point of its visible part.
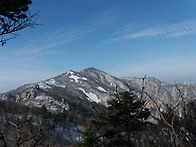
(92, 86)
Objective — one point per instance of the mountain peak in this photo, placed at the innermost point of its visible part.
(70, 72)
(91, 84)
(91, 69)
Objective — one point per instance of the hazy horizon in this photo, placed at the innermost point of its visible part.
(18, 84)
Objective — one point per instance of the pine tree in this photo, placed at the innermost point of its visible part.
(125, 116)
(89, 138)
(15, 16)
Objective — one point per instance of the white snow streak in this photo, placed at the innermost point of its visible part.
(54, 83)
(91, 96)
(51, 82)
(101, 89)
(44, 86)
(75, 77)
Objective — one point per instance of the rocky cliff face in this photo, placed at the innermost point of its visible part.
(94, 86)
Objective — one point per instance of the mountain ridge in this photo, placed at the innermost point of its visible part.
(94, 86)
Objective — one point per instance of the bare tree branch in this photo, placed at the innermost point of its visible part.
(165, 121)
(15, 16)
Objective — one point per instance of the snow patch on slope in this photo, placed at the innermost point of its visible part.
(54, 83)
(75, 77)
(102, 89)
(91, 96)
(44, 86)
(51, 82)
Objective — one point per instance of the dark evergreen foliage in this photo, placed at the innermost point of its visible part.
(14, 16)
(125, 116)
(14, 9)
(89, 138)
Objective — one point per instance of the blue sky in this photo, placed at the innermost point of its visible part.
(124, 38)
